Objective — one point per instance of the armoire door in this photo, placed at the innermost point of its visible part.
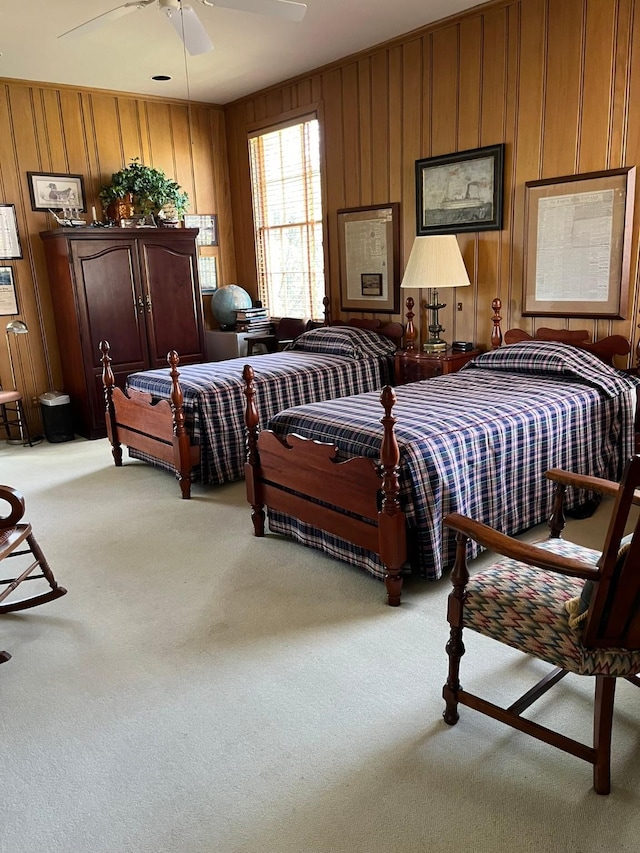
(172, 300)
(111, 307)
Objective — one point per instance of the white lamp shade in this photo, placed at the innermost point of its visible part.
(435, 261)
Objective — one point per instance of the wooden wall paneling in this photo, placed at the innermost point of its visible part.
(531, 94)
(396, 165)
(597, 91)
(563, 103)
(630, 145)
(351, 122)
(492, 130)
(624, 57)
(274, 103)
(161, 146)
(333, 165)
(111, 156)
(366, 130)
(181, 169)
(380, 129)
(303, 93)
(469, 124)
(241, 204)
(222, 200)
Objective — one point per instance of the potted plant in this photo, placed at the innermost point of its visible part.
(143, 190)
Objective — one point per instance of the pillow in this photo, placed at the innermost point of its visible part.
(550, 358)
(345, 341)
(578, 607)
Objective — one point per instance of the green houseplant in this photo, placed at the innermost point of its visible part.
(149, 189)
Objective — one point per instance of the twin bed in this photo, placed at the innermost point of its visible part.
(190, 420)
(477, 442)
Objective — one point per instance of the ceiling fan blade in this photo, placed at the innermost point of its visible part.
(286, 9)
(190, 29)
(105, 18)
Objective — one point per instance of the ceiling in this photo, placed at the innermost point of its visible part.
(250, 52)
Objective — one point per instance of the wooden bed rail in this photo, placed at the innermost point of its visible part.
(153, 428)
(303, 478)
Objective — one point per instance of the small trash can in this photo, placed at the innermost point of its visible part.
(57, 422)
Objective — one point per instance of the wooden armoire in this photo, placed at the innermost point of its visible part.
(134, 287)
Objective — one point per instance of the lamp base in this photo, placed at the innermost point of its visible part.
(435, 346)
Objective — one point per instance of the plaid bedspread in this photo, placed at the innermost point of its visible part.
(478, 443)
(214, 401)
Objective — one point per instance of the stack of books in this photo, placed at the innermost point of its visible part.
(254, 320)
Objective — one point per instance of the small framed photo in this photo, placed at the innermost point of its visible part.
(52, 191)
(208, 225)
(460, 192)
(371, 283)
(8, 301)
(10, 248)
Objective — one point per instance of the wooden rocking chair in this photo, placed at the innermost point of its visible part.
(17, 540)
(573, 607)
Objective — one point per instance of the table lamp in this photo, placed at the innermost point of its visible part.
(435, 262)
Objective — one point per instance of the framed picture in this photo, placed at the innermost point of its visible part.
(208, 273)
(208, 225)
(460, 192)
(51, 191)
(368, 245)
(10, 248)
(577, 247)
(8, 301)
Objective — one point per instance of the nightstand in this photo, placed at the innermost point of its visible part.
(413, 365)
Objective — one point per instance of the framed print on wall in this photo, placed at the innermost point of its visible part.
(369, 251)
(577, 246)
(208, 225)
(8, 301)
(460, 192)
(52, 191)
(10, 248)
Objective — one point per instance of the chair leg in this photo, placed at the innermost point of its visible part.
(56, 590)
(602, 725)
(4, 420)
(23, 425)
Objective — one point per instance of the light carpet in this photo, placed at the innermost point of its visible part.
(201, 691)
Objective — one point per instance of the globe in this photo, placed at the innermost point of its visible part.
(226, 301)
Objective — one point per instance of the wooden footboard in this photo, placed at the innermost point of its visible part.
(356, 499)
(155, 429)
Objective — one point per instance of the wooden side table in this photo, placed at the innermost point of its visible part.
(413, 365)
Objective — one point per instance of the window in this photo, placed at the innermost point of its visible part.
(287, 211)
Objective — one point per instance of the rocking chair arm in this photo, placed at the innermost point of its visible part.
(525, 552)
(16, 503)
(583, 481)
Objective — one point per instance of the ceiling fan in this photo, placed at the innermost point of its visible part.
(185, 21)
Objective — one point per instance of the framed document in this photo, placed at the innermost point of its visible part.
(577, 247)
(208, 225)
(8, 301)
(368, 245)
(10, 249)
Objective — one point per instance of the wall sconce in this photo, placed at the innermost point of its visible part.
(435, 262)
(14, 327)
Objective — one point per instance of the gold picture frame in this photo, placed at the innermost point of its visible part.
(369, 252)
(577, 246)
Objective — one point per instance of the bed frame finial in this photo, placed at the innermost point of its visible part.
(326, 304)
(251, 468)
(183, 470)
(391, 519)
(108, 382)
(496, 333)
(410, 332)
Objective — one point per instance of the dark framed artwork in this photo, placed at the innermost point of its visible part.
(577, 246)
(10, 248)
(369, 250)
(8, 300)
(460, 192)
(53, 191)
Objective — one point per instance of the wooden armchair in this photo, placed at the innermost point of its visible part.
(17, 541)
(573, 607)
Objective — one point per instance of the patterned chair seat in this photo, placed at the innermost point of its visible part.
(525, 608)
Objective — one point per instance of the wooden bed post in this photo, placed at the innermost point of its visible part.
(410, 333)
(496, 332)
(326, 303)
(181, 442)
(252, 420)
(392, 544)
(108, 381)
